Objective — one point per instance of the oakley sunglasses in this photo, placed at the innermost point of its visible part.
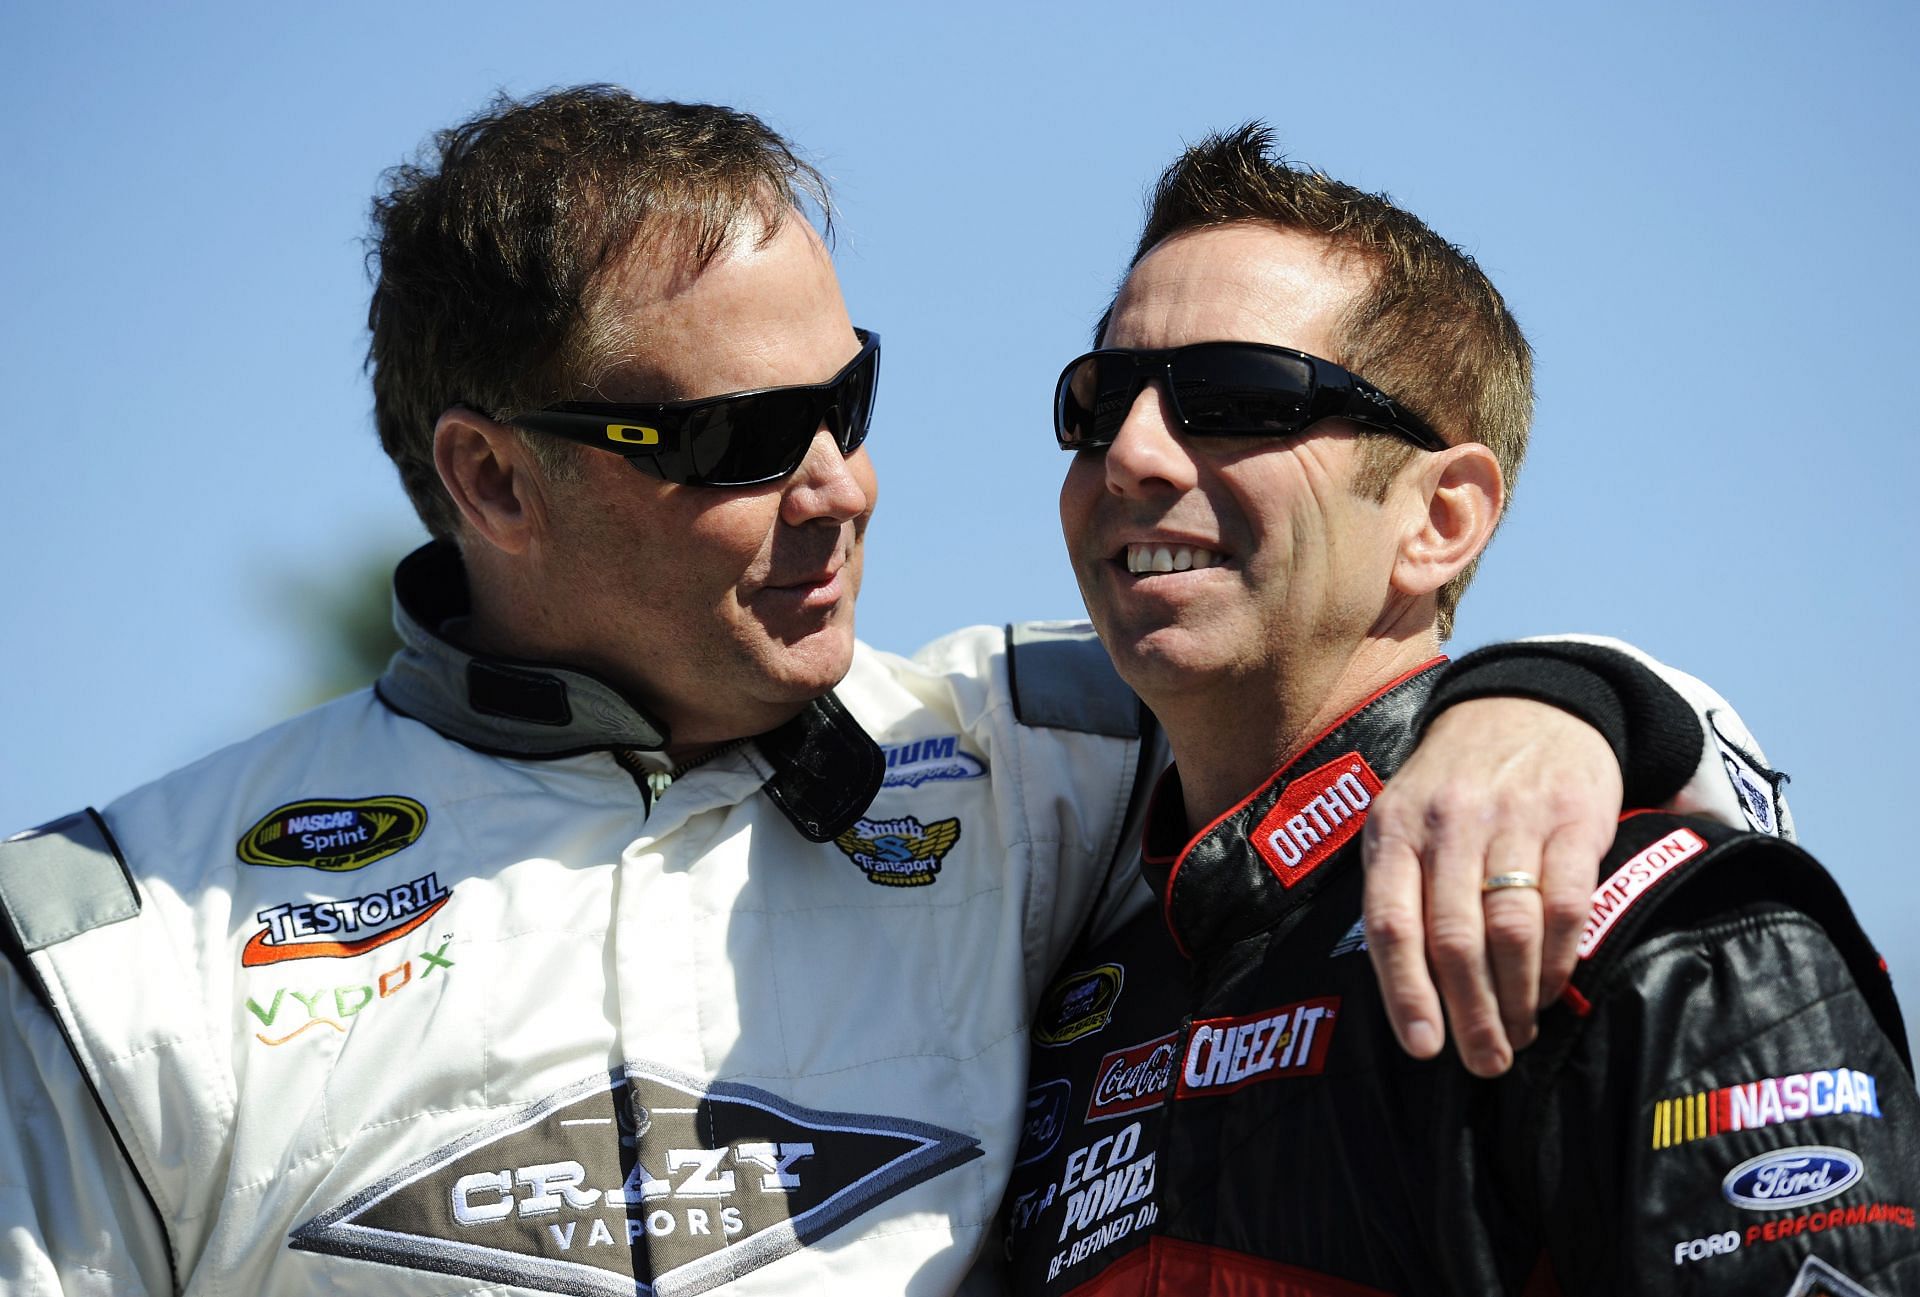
(1223, 389)
(735, 439)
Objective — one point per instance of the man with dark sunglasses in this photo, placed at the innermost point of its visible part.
(1289, 450)
(638, 930)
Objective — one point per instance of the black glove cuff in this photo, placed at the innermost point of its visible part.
(1652, 730)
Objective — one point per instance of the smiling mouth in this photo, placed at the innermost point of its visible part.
(1144, 559)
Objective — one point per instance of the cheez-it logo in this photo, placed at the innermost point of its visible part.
(1319, 813)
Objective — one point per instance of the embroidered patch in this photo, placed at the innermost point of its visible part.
(902, 852)
(1629, 882)
(1317, 814)
(334, 835)
(635, 1181)
(1353, 942)
(1771, 1101)
(346, 927)
(1078, 1005)
(911, 764)
(1134, 1079)
(1228, 1054)
(1046, 1118)
(1792, 1177)
(1818, 1279)
(338, 1006)
(1756, 787)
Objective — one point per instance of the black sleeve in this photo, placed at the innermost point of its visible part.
(1728, 1116)
(1653, 730)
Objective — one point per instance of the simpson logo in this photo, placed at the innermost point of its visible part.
(1047, 1105)
(1317, 815)
(1228, 1054)
(1792, 1177)
(338, 929)
(334, 835)
(1629, 882)
(902, 852)
(1079, 1005)
(1818, 1279)
(1134, 1079)
(911, 764)
(636, 1181)
(1769, 1102)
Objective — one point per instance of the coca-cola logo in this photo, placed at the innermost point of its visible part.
(1134, 1079)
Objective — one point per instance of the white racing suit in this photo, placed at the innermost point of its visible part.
(428, 991)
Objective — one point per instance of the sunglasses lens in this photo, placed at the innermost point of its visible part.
(1241, 391)
(854, 401)
(753, 439)
(1092, 400)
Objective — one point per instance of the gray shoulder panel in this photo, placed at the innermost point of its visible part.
(1062, 679)
(62, 879)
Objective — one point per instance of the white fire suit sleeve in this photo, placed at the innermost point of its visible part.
(73, 1218)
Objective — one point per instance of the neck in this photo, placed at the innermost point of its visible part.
(513, 619)
(1229, 735)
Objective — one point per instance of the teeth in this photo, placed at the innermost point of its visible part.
(1168, 558)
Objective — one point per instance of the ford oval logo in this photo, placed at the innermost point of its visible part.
(1791, 1177)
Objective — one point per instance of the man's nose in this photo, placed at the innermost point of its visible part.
(824, 485)
(1148, 453)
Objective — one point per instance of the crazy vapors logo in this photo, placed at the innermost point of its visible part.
(902, 852)
(636, 1181)
(334, 835)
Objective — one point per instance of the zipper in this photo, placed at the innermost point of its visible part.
(653, 784)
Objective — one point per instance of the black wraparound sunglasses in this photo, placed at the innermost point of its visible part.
(1224, 389)
(735, 439)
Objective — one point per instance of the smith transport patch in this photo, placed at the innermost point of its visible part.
(334, 835)
(637, 1181)
(902, 852)
(1317, 814)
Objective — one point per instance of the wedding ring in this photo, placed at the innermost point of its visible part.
(1500, 882)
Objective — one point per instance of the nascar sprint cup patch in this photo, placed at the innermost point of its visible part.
(334, 835)
(635, 1181)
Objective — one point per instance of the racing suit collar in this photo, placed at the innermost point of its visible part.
(826, 767)
(1212, 891)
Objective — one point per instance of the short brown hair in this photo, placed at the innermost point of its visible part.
(1431, 330)
(486, 253)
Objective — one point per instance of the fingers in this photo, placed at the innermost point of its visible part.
(1395, 942)
(1569, 871)
(1514, 938)
(1457, 949)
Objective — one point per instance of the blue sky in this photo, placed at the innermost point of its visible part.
(1703, 214)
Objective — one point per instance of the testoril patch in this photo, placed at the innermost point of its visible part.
(334, 835)
(635, 1181)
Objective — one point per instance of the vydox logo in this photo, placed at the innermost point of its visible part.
(1792, 1177)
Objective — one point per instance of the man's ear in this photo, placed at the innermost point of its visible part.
(1463, 494)
(489, 473)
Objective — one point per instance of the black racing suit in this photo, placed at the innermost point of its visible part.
(1722, 1103)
